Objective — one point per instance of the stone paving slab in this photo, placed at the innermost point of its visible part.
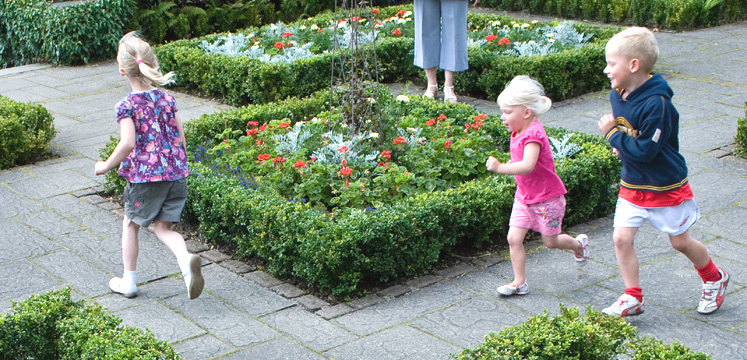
(165, 324)
(279, 349)
(202, 347)
(71, 269)
(20, 242)
(308, 329)
(399, 342)
(242, 293)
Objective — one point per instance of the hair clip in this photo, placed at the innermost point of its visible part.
(139, 61)
(125, 56)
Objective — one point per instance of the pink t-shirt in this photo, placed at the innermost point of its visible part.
(542, 183)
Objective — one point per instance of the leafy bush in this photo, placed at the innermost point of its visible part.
(25, 132)
(248, 79)
(740, 139)
(672, 14)
(593, 336)
(52, 326)
(38, 31)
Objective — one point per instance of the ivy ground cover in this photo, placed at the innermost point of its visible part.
(341, 209)
(271, 63)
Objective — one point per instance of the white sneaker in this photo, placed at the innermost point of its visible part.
(582, 256)
(193, 277)
(127, 289)
(713, 294)
(625, 305)
(513, 289)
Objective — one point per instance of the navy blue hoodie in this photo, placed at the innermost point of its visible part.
(647, 137)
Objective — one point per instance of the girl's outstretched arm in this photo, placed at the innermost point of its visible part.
(525, 166)
(123, 149)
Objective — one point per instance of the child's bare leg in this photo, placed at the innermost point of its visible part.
(627, 260)
(691, 248)
(129, 244)
(173, 240)
(518, 253)
(562, 241)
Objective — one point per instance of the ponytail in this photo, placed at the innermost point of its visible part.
(138, 60)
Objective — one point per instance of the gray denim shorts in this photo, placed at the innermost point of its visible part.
(163, 200)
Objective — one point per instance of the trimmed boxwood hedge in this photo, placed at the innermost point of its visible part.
(671, 14)
(567, 335)
(740, 139)
(39, 31)
(240, 80)
(25, 132)
(52, 326)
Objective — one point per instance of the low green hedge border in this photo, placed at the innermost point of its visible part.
(567, 335)
(37, 31)
(25, 132)
(340, 252)
(240, 80)
(740, 139)
(671, 14)
(52, 326)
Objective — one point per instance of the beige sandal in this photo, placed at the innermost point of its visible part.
(428, 94)
(449, 96)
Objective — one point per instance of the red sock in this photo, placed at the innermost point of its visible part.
(709, 272)
(635, 292)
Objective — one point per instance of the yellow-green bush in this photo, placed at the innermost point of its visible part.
(25, 132)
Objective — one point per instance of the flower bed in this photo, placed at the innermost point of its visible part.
(25, 132)
(409, 188)
(671, 14)
(267, 64)
(52, 326)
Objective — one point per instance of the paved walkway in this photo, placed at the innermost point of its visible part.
(57, 232)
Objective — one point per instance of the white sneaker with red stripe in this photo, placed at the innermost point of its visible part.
(513, 289)
(713, 294)
(625, 305)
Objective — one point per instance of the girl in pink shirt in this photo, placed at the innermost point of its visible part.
(539, 203)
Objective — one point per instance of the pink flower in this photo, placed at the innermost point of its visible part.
(447, 143)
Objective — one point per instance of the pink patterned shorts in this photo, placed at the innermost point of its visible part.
(544, 218)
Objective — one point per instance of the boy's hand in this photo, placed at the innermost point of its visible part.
(606, 123)
(100, 168)
(492, 164)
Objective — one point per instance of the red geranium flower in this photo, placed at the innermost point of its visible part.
(251, 123)
(342, 149)
(483, 116)
(447, 143)
(263, 157)
(299, 163)
(401, 12)
(376, 11)
(278, 159)
(283, 125)
(396, 32)
(262, 128)
(383, 164)
(491, 37)
(320, 31)
(346, 170)
(430, 122)
(441, 117)
(259, 142)
(504, 41)
(387, 154)
(251, 132)
(355, 18)
(287, 34)
(279, 45)
(399, 140)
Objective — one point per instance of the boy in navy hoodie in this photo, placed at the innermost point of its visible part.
(643, 131)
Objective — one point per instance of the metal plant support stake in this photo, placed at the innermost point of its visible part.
(355, 75)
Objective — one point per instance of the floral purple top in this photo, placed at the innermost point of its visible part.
(159, 153)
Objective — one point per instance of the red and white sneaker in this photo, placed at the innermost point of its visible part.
(513, 289)
(625, 305)
(713, 294)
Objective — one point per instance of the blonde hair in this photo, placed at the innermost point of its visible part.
(527, 92)
(136, 58)
(636, 42)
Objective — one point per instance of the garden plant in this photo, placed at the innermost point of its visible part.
(25, 132)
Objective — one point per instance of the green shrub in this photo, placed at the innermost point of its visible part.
(25, 132)
(740, 139)
(38, 31)
(52, 326)
(593, 336)
(671, 14)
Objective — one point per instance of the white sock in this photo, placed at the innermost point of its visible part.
(184, 261)
(129, 277)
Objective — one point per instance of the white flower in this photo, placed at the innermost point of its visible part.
(516, 25)
(344, 126)
(535, 21)
(374, 134)
(273, 26)
(525, 25)
(342, 24)
(371, 100)
(314, 27)
(551, 40)
(251, 35)
(531, 41)
(407, 14)
(255, 46)
(411, 129)
(401, 21)
(496, 23)
(315, 120)
(403, 98)
(302, 27)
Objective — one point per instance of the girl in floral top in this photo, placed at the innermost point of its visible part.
(151, 157)
(539, 203)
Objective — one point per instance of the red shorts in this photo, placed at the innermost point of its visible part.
(544, 218)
